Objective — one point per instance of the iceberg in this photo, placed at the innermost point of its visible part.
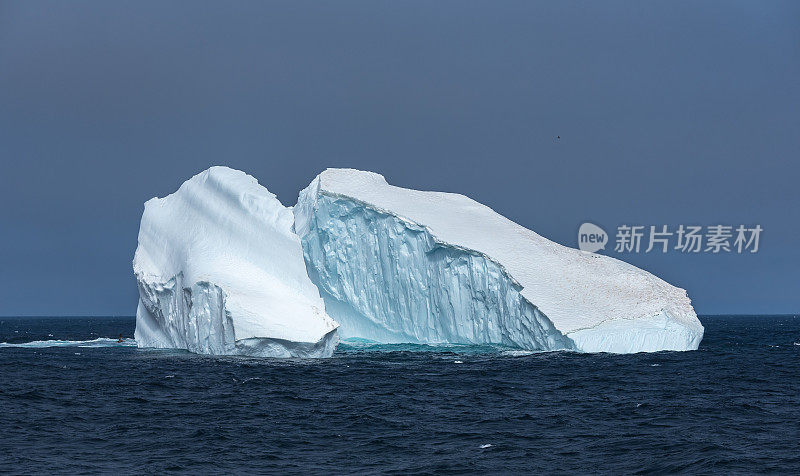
(399, 265)
(220, 271)
(224, 268)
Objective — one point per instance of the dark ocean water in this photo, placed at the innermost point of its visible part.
(731, 406)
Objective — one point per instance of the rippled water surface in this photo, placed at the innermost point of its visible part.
(72, 399)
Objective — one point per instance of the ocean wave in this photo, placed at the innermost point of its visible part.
(356, 345)
(360, 345)
(99, 342)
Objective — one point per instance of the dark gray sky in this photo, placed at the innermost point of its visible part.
(669, 112)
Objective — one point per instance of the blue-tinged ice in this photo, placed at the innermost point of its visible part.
(397, 265)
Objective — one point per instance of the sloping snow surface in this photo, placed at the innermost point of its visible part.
(221, 272)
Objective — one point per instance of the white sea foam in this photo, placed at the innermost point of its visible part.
(99, 342)
(518, 353)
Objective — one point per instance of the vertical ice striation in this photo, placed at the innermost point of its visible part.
(400, 265)
(221, 272)
(390, 281)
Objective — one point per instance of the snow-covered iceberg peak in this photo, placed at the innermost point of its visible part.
(401, 265)
(221, 272)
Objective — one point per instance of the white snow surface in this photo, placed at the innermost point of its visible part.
(220, 271)
(365, 243)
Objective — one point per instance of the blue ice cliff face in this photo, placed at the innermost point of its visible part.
(389, 280)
